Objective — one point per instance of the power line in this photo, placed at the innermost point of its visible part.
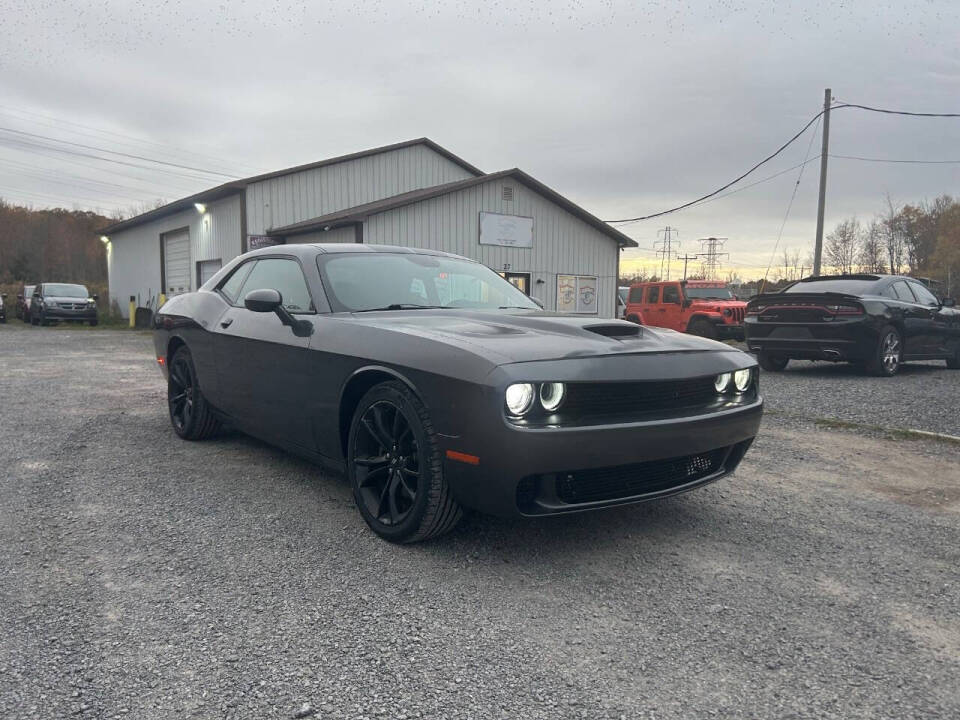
(891, 160)
(117, 152)
(779, 150)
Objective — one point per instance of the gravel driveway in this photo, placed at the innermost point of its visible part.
(142, 576)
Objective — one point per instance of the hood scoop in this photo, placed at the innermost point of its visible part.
(620, 330)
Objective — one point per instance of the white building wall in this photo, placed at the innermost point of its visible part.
(562, 243)
(133, 256)
(296, 197)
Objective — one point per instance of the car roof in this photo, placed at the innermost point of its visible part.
(303, 249)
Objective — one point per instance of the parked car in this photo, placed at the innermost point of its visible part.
(698, 307)
(435, 384)
(875, 321)
(3, 308)
(23, 303)
(52, 302)
(622, 293)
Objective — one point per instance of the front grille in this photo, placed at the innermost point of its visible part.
(624, 481)
(636, 398)
(71, 306)
(738, 313)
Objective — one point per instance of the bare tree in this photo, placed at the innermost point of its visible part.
(894, 237)
(842, 245)
(871, 255)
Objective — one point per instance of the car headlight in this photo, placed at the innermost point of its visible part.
(742, 379)
(723, 382)
(519, 397)
(551, 395)
(728, 312)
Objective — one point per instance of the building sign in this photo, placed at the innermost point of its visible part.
(255, 242)
(577, 294)
(506, 230)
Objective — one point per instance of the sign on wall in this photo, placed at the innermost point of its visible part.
(506, 230)
(577, 294)
(255, 242)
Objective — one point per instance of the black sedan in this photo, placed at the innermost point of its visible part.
(435, 384)
(875, 321)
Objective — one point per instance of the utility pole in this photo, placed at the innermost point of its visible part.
(685, 258)
(666, 250)
(818, 248)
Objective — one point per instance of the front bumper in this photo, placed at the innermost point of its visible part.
(58, 313)
(729, 332)
(543, 471)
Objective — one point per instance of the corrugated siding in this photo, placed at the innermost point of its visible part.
(562, 243)
(301, 196)
(133, 259)
(337, 235)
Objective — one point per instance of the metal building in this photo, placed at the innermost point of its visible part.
(414, 193)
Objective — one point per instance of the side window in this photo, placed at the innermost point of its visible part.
(282, 275)
(924, 296)
(636, 295)
(671, 294)
(231, 286)
(653, 294)
(902, 292)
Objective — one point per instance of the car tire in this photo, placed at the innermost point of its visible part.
(954, 362)
(391, 446)
(888, 355)
(190, 413)
(772, 363)
(702, 328)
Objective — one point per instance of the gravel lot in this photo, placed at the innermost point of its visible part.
(146, 577)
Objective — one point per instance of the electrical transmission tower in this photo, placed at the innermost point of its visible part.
(666, 249)
(710, 249)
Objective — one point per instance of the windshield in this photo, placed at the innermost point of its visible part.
(623, 292)
(708, 292)
(394, 281)
(64, 290)
(847, 286)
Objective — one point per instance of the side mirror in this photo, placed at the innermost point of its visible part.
(949, 302)
(263, 301)
(266, 300)
(538, 301)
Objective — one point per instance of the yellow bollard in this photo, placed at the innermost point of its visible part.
(162, 301)
(133, 311)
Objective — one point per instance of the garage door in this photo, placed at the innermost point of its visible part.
(176, 262)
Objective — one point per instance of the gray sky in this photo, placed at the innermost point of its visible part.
(626, 108)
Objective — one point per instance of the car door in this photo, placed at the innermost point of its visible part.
(263, 366)
(937, 319)
(672, 308)
(913, 317)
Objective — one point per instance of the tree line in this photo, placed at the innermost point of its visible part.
(51, 246)
(922, 240)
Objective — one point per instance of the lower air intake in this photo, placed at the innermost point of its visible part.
(624, 481)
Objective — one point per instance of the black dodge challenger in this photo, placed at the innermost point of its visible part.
(435, 384)
(875, 321)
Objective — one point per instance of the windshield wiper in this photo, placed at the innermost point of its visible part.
(514, 307)
(403, 306)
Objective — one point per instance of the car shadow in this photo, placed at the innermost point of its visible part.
(847, 370)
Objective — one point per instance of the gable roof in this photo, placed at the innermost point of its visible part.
(360, 213)
(235, 186)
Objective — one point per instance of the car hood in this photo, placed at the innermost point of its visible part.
(528, 336)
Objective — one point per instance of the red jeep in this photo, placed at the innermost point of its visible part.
(699, 307)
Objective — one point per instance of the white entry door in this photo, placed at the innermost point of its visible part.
(176, 262)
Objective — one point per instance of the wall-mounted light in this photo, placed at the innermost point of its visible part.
(201, 208)
(104, 239)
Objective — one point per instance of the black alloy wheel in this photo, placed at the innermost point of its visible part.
(190, 414)
(772, 363)
(395, 469)
(888, 356)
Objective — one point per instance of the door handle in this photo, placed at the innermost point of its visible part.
(226, 323)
